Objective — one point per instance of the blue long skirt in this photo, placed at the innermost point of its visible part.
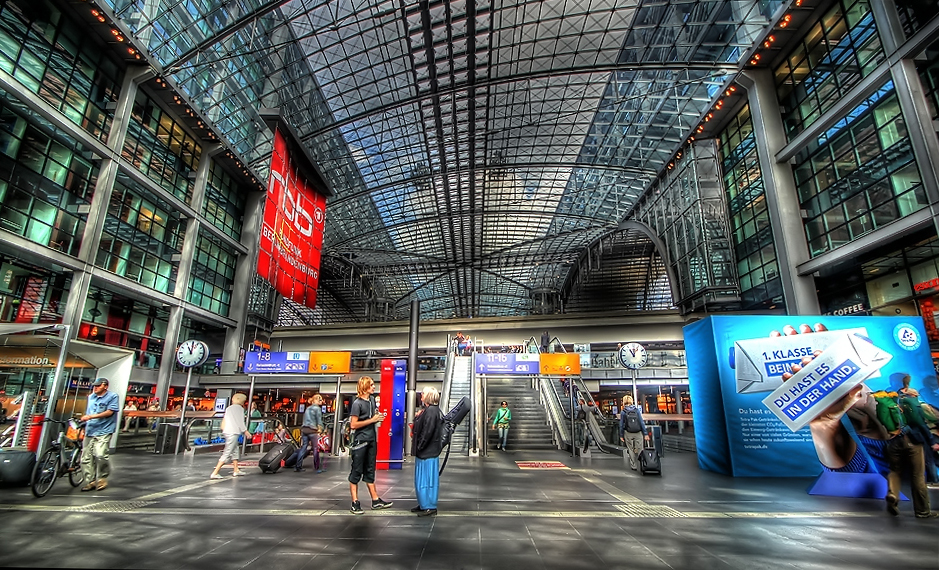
(427, 481)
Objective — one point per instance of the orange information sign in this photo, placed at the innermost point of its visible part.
(330, 362)
(560, 364)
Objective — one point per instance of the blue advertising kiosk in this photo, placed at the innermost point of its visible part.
(757, 416)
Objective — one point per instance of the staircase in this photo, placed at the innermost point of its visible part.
(528, 429)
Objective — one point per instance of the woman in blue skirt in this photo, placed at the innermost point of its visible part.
(426, 447)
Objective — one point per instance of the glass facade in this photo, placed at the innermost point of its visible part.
(118, 320)
(30, 294)
(141, 236)
(757, 266)
(59, 62)
(929, 75)
(157, 145)
(43, 181)
(224, 202)
(213, 273)
(838, 51)
(859, 175)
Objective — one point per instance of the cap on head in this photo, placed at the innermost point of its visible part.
(100, 381)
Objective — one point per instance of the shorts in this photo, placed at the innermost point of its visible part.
(363, 462)
(232, 450)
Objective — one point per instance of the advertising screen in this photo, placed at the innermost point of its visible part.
(292, 232)
(772, 395)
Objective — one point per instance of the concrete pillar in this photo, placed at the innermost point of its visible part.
(782, 199)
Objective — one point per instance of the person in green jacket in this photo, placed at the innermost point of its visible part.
(255, 413)
(501, 422)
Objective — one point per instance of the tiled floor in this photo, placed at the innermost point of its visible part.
(163, 512)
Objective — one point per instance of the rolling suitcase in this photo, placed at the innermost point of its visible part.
(649, 461)
(274, 458)
(16, 466)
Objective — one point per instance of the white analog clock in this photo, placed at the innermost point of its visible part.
(192, 353)
(632, 355)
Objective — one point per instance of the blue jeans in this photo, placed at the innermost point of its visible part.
(305, 441)
(503, 436)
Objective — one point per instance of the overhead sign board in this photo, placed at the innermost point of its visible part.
(506, 363)
(298, 362)
(272, 362)
(560, 363)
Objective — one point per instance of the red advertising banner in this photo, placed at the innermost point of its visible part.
(292, 232)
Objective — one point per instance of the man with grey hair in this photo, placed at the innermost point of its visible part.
(233, 425)
(426, 447)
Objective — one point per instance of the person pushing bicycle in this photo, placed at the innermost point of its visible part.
(101, 418)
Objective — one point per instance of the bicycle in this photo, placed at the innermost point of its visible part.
(63, 456)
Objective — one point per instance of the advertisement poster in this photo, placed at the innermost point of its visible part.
(292, 232)
(753, 409)
(391, 400)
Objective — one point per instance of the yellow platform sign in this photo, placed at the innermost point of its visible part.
(330, 362)
(560, 364)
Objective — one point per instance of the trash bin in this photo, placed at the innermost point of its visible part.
(166, 439)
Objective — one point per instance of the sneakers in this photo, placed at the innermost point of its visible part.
(379, 504)
(239, 474)
(102, 485)
(357, 508)
(321, 471)
(90, 486)
(930, 515)
(216, 476)
(416, 509)
(427, 513)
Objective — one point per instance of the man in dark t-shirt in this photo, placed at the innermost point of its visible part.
(363, 417)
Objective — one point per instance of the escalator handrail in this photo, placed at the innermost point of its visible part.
(552, 402)
(582, 389)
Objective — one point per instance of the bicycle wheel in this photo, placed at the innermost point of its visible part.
(75, 474)
(45, 473)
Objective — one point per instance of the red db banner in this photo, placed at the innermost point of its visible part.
(292, 233)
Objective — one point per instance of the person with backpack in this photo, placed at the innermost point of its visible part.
(501, 422)
(632, 430)
(426, 445)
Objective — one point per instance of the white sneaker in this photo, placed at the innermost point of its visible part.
(238, 474)
(216, 476)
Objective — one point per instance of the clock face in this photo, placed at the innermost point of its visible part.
(192, 353)
(632, 355)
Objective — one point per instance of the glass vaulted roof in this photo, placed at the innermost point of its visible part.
(475, 149)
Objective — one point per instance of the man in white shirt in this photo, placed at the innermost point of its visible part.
(233, 425)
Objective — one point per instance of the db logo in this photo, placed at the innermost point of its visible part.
(294, 208)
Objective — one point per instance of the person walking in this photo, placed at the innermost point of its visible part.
(501, 422)
(310, 429)
(426, 447)
(233, 425)
(632, 430)
(101, 422)
(255, 427)
(363, 417)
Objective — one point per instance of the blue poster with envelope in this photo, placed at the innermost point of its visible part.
(795, 396)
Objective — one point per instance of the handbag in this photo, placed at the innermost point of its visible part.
(323, 444)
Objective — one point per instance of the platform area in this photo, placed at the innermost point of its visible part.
(163, 512)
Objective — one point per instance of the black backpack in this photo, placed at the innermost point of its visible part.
(632, 420)
(452, 419)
